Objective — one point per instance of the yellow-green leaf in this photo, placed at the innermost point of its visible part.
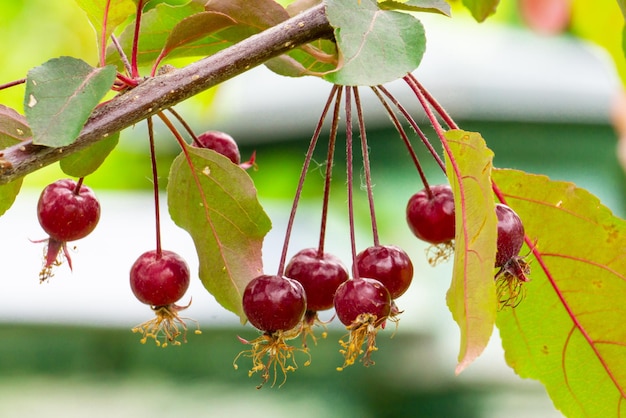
(472, 297)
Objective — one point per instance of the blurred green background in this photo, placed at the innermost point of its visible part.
(60, 367)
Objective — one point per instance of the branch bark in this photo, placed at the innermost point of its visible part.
(161, 92)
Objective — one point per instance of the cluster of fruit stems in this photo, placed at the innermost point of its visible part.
(427, 102)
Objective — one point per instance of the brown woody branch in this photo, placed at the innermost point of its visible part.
(164, 91)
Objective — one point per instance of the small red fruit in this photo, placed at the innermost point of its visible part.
(220, 142)
(362, 305)
(514, 270)
(388, 264)
(67, 211)
(320, 275)
(276, 306)
(160, 279)
(510, 234)
(431, 216)
(274, 303)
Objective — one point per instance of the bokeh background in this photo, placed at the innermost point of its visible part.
(543, 104)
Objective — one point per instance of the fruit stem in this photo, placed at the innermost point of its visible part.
(329, 168)
(79, 184)
(103, 39)
(134, 67)
(12, 83)
(185, 125)
(405, 138)
(415, 127)
(350, 178)
(433, 102)
(366, 164)
(305, 167)
(155, 183)
(124, 59)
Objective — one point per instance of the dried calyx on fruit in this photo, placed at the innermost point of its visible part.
(430, 216)
(320, 275)
(67, 210)
(362, 305)
(513, 270)
(275, 305)
(160, 279)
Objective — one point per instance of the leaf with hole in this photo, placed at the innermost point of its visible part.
(376, 46)
(60, 96)
(472, 294)
(567, 331)
(216, 203)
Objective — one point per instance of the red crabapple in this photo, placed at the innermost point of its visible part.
(67, 211)
(513, 269)
(160, 279)
(388, 264)
(431, 216)
(320, 275)
(362, 305)
(275, 305)
(220, 142)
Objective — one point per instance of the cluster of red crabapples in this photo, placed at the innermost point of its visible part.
(68, 210)
(285, 306)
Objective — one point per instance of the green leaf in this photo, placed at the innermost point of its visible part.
(85, 162)
(60, 96)
(225, 220)
(118, 13)
(472, 295)
(13, 130)
(376, 46)
(481, 9)
(568, 332)
(431, 6)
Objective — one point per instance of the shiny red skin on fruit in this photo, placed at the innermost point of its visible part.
(362, 296)
(388, 264)
(159, 281)
(510, 234)
(432, 219)
(220, 142)
(274, 303)
(65, 215)
(320, 277)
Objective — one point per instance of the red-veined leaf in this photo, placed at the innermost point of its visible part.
(225, 220)
(569, 330)
(192, 28)
(472, 296)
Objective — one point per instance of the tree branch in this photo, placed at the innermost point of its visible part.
(161, 92)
